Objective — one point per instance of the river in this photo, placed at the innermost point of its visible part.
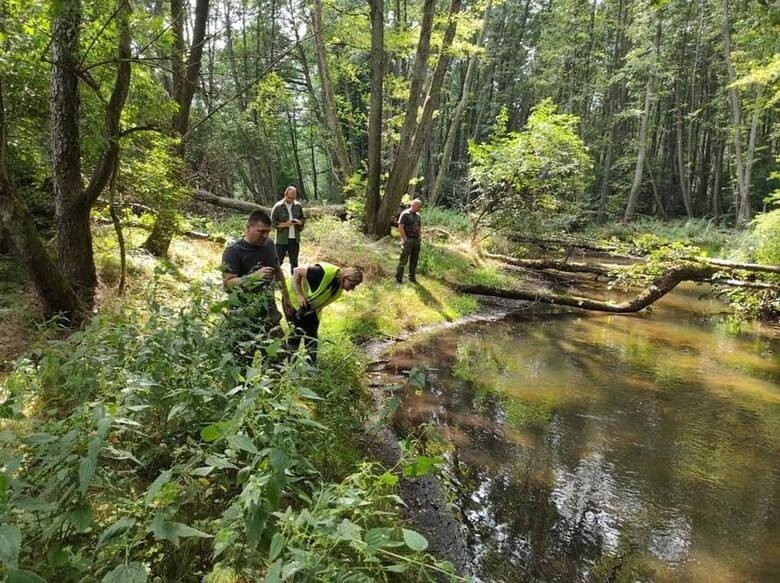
(593, 447)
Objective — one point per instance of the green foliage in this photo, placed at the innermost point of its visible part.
(141, 448)
(525, 177)
(453, 221)
(766, 230)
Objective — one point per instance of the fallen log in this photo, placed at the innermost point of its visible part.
(191, 234)
(745, 284)
(568, 266)
(738, 265)
(247, 206)
(652, 293)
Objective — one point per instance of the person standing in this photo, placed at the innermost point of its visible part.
(288, 220)
(409, 228)
(311, 289)
(250, 269)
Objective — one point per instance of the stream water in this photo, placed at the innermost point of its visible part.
(593, 447)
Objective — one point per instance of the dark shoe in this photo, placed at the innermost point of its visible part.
(413, 279)
(399, 279)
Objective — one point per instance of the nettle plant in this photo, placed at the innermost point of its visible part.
(140, 449)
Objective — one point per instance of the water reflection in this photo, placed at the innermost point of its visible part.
(609, 448)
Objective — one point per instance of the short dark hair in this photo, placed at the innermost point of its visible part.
(258, 217)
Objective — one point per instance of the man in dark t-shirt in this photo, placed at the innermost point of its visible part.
(409, 228)
(250, 269)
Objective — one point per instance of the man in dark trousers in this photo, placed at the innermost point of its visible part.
(287, 218)
(250, 270)
(311, 289)
(409, 227)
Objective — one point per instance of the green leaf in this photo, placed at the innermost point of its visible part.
(22, 576)
(414, 540)
(421, 466)
(80, 517)
(274, 574)
(164, 529)
(186, 531)
(10, 543)
(176, 410)
(277, 544)
(202, 471)
(348, 530)
(87, 468)
(155, 486)
(222, 574)
(120, 526)
(388, 478)
(397, 568)
(290, 569)
(376, 538)
(220, 462)
(307, 393)
(172, 531)
(214, 431)
(127, 573)
(243, 442)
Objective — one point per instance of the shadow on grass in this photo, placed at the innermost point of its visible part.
(431, 300)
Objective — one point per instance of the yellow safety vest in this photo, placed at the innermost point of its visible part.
(328, 291)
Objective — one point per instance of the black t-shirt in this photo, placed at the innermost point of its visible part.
(314, 276)
(242, 258)
(411, 222)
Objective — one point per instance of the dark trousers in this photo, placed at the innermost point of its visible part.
(411, 253)
(292, 247)
(306, 329)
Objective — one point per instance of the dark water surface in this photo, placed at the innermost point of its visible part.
(593, 447)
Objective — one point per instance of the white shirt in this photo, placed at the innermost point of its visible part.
(290, 215)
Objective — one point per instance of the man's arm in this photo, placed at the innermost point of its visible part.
(276, 223)
(286, 304)
(402, 231)
(231, 280)
(299, 274)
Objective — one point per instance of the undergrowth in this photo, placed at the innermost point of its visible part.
(140, 448)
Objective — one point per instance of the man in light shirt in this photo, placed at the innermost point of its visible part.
(288, 220)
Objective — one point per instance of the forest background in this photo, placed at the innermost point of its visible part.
(672, 107)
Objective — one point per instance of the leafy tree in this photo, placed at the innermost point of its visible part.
(530, 175)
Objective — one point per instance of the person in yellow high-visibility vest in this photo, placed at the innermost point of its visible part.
(312, 288)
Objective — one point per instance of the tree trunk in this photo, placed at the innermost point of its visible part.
(343, 169)
(185, 81)
(655, 291)
(633, 197)
(375, 115)
(743, 209)
(449, 143)
(406, 160)
(73, 204)
(16, 221)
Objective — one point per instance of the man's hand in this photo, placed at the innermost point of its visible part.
(264, 273)
(287, 307)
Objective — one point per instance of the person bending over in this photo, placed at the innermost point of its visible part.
(312, 288)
